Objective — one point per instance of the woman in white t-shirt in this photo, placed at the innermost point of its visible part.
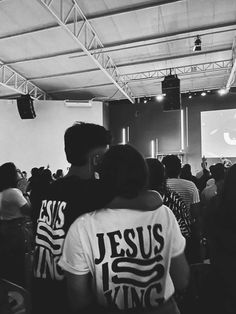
(15, 226)
(129, 256)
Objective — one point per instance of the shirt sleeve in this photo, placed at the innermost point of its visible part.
(73, 256)
(196, 197)
(16, 197)
(178, 241)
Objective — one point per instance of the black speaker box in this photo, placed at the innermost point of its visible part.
(171, 89)
(26, 107)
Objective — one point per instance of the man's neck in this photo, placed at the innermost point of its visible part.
(81, 172)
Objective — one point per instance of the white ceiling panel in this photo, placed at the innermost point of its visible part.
(139, 36)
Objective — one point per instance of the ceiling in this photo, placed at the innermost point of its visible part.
(114, 49)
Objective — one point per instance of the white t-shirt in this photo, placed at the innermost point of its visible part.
(128, 253)
(11, 200)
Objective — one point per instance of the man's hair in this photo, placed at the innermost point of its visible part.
(172, 165)
(81, 138)
(156, 174)
(124, 168)
(8, 176)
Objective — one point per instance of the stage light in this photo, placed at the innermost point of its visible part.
(197, 44)
(182, 128)
(203, 93)
(222, 91)
(123, 136)
(159, 97)
(152, 149)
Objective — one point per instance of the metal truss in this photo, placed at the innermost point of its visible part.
(85, 36)
(181, 71)
(16, 82)
(232, 75)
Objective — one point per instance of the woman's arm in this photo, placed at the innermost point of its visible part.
(179, 272)
(79, 292)
(26, 209)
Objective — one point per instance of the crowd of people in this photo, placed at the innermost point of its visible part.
(118, 233)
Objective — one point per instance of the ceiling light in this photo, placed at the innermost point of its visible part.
(159, 97)
(222, 91)
(203, 93)
(197, 44)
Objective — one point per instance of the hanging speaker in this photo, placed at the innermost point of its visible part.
(171, 89)
(26, 107)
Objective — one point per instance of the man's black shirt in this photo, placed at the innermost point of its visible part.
(64, 201)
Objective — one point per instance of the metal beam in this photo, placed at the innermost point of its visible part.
(85, 36)
(181, 71)
(232, 74)
(137, 43)
(138, 62)
(175, 57)
(158, 75)
(11, 79)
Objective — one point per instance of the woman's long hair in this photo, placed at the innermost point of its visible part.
(124, 168)
(8, 176)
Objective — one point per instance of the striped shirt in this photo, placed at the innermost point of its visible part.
(186, 189)
(179, 209)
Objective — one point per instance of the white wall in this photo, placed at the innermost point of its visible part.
(40, 141)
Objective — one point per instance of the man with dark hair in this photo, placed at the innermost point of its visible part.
(190, 195)
(186, 189)
(65, 200)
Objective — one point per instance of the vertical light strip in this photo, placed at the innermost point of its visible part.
(186, 118)
(123, 136)
(127, 133)
(156, 150)
(152, 149)
(182, 128)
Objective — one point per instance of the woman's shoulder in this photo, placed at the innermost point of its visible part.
(12, 192)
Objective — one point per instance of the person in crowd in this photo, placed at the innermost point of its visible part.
(217, 172)
(15, 226)
(24, 174)
(32, 181)
(226, 162)
(65, 200)
(129, 255)
(186, 174)
(44, 179)
(22, 182)
(186, 189)
(203, 176)
(190, 195)
(171, 199)
(59, 174)
(210, 181)
(221, 233)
